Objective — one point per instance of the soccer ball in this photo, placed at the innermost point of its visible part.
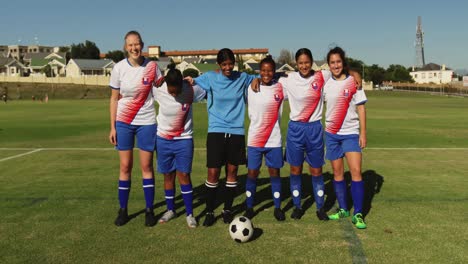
(241, 229)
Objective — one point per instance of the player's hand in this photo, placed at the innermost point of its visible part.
(255, 85)
(362, 141)
(113, 137)
(190, 80)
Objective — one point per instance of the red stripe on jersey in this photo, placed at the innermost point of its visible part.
(178, 123)
(131, 109)
(312, 99)
(340, 109)
(270, 118)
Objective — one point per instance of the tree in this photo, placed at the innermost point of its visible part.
(240, 63)
(190, 72)
(66, 50)
(115, 55)
(286, 56)
(374, 73)
(356, 65)
(397, 73)
(87, 50)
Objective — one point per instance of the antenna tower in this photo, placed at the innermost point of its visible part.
(419, 45)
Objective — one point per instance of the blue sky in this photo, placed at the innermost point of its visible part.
(377, 32)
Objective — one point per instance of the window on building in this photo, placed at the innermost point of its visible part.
(415, 76)
(440, 75)
(423, 75)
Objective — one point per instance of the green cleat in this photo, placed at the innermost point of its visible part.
(358, 221)
(340, 213)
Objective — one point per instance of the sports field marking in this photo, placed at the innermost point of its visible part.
(20, 155)
(202, 149)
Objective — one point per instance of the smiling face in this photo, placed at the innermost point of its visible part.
(226, 67)
(304, 65)
(336, 65)
(134, 47)
(267, 71)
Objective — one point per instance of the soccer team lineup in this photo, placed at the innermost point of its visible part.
(136, 83)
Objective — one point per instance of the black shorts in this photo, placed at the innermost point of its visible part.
(222, 148)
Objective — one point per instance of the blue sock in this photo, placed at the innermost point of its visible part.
(124, 193)
(295, 183)
(276, 190)
(357, 192)
(319, 191)
(341, 194)
(187, 195)
(250, 190)
(170, 199)
(148, 189)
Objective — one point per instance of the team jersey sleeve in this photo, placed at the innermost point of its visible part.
(360, 97)
(159, 77)
(203, 81)
(115, 78)
(326, 75)
(283, 82)
(198, 93)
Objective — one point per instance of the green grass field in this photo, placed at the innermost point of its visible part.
(57, 204)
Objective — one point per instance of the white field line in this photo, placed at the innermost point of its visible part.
(203, 149)
(20, 155)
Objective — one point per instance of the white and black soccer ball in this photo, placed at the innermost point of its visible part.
(241, 229)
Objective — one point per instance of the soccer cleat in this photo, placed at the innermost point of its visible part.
(358, 221)
(340, 213)
(150, 219)
(279, 214)
(122, 217)
(209, 219)
(249, 213)
(168, 215)
(322, 215)
(227, 216)
(191, 221)
(297, 213)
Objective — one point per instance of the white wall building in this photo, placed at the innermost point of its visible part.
(432, 73)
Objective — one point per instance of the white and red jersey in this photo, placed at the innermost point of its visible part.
(305, 95)
(175, 119)
(136, 105)
(341, 97)
(265, 108)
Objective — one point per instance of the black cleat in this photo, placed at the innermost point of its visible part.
(297, 213)
(249, 213)
(150, 219)
(279, 214)
(209, 219)
(227, 216)
(122, 217)
(322, 215)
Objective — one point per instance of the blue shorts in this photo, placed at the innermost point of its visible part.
(273, 157)
(338, 145)
(305, 138)
(174, 155)
(145, 135)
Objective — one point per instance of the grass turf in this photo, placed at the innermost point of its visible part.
(58, 205)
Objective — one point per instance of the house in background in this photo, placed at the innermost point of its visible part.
(320, 65)
(181, 55)
(163, 63)
(11, 67)
(432, 73)
(37, 63)
(80, 67)
(284, 68)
